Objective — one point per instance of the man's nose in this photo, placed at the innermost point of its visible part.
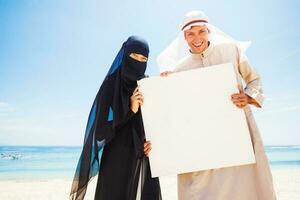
(197, 38)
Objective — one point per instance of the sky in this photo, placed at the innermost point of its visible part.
(54, 55)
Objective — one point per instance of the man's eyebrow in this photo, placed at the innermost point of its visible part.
(190, 32)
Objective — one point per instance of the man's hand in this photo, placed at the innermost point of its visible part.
(147, 148)
(240, 99)
(166, 73)
(136, 100)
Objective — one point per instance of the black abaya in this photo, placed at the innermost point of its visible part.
(113, 145)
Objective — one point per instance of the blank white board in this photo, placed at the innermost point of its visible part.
(192, 123)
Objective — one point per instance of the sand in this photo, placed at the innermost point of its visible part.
(287, 183)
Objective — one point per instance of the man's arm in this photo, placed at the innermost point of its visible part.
(253, 87)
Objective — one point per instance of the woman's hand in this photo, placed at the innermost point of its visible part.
(240, 99)
(147, 148)
(136, 100)
(166, 73)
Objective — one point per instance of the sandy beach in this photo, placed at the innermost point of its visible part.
(286, 181)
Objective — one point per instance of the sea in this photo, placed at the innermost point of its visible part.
(57, 162)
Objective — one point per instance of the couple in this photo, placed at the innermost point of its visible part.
(115, 145)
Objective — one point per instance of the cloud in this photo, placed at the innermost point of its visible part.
(282, 104)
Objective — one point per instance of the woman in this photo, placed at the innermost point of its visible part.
(114, 138)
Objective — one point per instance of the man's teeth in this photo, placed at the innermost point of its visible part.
(198, 44)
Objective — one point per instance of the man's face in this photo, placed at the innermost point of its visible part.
(197, 38)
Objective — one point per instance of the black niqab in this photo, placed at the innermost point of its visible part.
(114, 137)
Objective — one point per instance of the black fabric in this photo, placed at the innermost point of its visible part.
(114, 138)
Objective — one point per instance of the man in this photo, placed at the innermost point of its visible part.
(202, 45)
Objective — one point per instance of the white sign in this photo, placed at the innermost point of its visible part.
(192, 123)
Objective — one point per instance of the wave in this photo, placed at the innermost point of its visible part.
(287, 162)
(296, 147)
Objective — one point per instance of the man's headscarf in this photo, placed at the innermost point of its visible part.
(179, 49)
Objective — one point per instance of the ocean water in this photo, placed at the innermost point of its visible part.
(41, 162)
(38, 162)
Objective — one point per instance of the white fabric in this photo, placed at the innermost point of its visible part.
(179, 49)
(193, 16)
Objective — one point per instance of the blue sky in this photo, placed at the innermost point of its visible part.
(55, 53)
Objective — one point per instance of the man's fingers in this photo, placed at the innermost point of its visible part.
(240, 105)
(238, 96)
(166, 73)
(239, 101)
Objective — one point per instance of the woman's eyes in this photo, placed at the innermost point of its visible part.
(143, 59)
(138, 57)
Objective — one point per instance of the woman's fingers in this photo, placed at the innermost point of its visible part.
(147, 152)
(147, 148)
(147, 143)
(137, 93)
(140, 102)
(139, 98)
(136, 89)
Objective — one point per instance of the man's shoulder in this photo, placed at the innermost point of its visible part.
(226, 46)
